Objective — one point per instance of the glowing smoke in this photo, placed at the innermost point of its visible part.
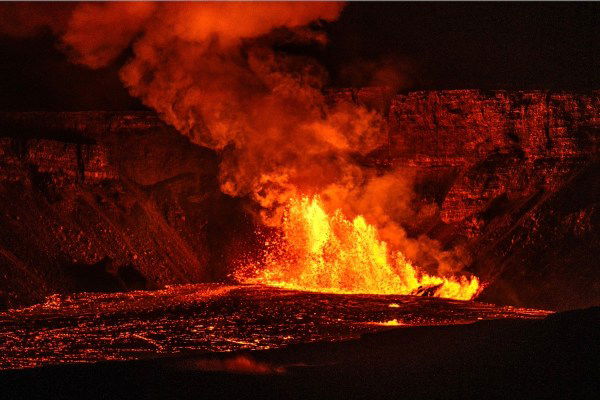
(216, 72)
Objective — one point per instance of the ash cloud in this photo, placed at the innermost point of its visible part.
(216, 72)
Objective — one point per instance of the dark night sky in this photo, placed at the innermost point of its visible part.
(435, 45)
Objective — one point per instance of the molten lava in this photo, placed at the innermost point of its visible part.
(319, 252)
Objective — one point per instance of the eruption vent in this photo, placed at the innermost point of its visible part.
(329, 253)
(238, 78)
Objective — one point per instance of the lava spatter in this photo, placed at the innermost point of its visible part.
(319, 252)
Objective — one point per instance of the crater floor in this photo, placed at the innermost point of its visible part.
(91, 327)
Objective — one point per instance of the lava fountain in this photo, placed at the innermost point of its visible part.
(320, 252)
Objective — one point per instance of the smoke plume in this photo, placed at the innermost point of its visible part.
(223, 74)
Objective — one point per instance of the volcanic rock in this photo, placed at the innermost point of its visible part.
(520, 172)
(514, 176)
(77, 189)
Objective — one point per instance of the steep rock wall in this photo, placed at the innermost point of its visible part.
(501, 143)
(514, 175)
(101, 201)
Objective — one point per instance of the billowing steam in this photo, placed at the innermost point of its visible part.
(223, 74)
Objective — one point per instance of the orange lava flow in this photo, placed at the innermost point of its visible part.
(325, 253)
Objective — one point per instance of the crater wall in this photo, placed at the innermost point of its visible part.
(514, 176)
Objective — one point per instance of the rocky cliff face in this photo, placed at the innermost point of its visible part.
(103, 201)
(501, 143)
(516, 174)
(133, 203)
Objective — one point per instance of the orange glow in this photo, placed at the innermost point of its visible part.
(391, 322)
(238, 365)
(319, 252)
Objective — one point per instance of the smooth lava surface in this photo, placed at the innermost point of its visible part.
(90, 327)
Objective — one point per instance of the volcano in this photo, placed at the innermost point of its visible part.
(299, 199)
(508, 175)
